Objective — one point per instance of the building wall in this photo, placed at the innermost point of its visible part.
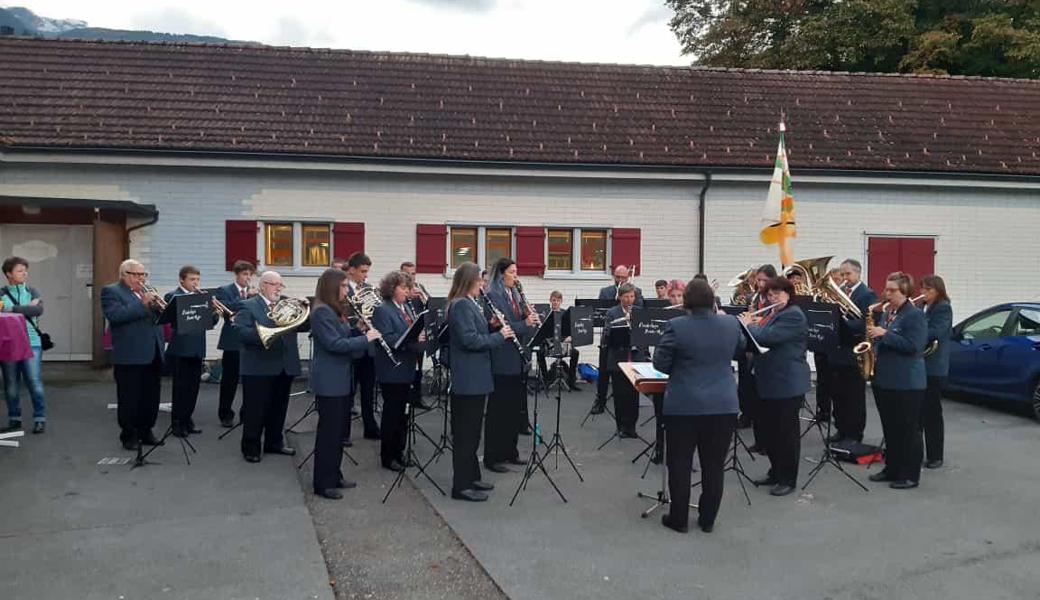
(987, 243)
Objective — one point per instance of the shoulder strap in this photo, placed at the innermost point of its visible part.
(30, 320)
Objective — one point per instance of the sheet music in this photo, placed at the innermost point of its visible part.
(647, 371)
(760, 349)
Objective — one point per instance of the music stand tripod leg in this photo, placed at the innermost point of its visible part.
(534, 461)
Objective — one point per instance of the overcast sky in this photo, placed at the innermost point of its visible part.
(617, 31)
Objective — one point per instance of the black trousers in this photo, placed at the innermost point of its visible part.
(502, 422)
(466, 415)
(396, 397)
(626, 402)
(186, 373)
(228, 384)
(137, 398)
(823, 384)
(932, 418)
(365, 381)
(783, 437)
(849, 392)
(328, 452)
(750, 402)
(900, 412)
(710, 436)
(603, 381)
(264, 401)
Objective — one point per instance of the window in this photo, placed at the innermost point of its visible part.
(561, 250)
(463, 245)
(278, 244)
(1027, 322)
(498, 243)
(317, 244)
(986, 327)
(594, 250)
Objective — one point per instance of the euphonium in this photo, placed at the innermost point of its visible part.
(287, 314)
(866, 353)
(831, 293)
(743, 287)
(812, 270)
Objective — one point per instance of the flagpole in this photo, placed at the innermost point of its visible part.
(786, 253)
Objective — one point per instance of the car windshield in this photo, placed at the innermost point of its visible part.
(986, 327)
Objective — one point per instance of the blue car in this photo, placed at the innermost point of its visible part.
(996, 353)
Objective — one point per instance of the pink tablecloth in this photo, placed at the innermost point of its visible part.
(14, 339)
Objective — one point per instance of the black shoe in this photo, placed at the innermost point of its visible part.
(252, 458)
(286, 450)
(227, 423)
(149, 439)
(765, 481)
(781, 489)
(470, 495)
(331, 494)
(191, 428)
(130, 445)
(516, 461)
(497, 468)
(40, 427)
(932, 464)
(598, 408)
(482, 486)
(394, 466)
(667, 522)
(348, 443)
(354, 412)
(706, 527)
(13, 425)
(525, 430)
(573, 387)
(627, 435)
(822, 417)
(903, 484)
(346, 484)
(372, 435)
(835, 438)
(881, 476)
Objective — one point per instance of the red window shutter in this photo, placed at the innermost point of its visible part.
(625, 249)
(882, 259)
(530, 250)
(347, 238)
(917, 258)
(431, 248)
(239, 242)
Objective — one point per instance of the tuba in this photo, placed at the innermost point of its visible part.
(865, 352)
(812, 270)
(287, 314)
(743, 287)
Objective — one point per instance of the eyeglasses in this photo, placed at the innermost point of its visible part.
(138, 273)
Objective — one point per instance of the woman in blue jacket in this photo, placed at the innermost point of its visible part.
(939, 317)
(334, 350)
(782, 379)
(899, 382)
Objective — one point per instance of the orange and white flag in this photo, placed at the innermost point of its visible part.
(778, 223)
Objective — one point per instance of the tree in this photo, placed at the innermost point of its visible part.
(962, 37)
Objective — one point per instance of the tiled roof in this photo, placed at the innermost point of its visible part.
(118, 95)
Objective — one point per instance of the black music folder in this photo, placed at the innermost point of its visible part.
(418, 326)
(648, 324)
(599, 308)
(579, 325)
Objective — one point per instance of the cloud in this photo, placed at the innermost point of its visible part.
(659, 13)
(176, 20)
(475, 6)
(290, 31)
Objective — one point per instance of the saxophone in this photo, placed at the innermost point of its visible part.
(866, 353)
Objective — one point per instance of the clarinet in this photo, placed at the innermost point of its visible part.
(368, 323)
(523, 299)
(502, 319)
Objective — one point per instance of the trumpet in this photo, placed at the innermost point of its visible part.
(158, 303)
(217, 304)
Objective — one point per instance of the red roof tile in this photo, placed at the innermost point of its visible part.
(119, 95)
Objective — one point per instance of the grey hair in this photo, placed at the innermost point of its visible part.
(855, 264)
(124, 266)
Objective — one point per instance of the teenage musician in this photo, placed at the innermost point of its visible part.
(750, 403)
(335, 348)
(782, 379)
(232, 296)
(661, 287)
(939, 315)
(900, 380)
(570, 365)
(470, 346)
(188, 350)
(700, 401)
(393, 318)
(610, 292)
(620, 349)
(502, 423)
(358, 265)
(137, 352)
(267, 373)
(848, 388)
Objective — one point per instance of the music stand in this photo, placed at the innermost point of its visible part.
(827, 458)
(410, 458)
(559, 324)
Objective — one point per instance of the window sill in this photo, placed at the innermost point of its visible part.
(293, 271)
(567, 275)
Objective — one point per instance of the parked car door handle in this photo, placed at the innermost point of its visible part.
(985, 347)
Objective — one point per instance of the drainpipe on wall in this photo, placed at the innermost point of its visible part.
(129, 230)
(701, 210)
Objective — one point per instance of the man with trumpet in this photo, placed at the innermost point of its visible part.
(267, 371)
(848, 387)
(232, 296)
(130, 307)
(188, 350)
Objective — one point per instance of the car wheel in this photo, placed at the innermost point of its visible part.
(1036, 401)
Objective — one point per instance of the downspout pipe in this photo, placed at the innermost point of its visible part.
(129, 230)
(701, 225)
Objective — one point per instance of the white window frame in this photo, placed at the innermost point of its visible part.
(297, 268)
(575, 272)
(449, 270)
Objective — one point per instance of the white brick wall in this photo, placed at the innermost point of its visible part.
(987, 242)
